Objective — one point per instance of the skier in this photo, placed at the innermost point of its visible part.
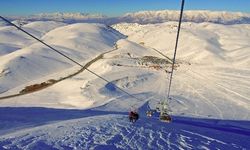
(133, 116)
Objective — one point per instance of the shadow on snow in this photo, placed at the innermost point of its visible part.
(196, 130)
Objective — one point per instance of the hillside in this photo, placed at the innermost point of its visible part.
(27, 60)
(202, 43)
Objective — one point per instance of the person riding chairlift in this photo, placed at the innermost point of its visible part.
(133, 116)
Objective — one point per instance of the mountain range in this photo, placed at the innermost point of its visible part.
(145, 17)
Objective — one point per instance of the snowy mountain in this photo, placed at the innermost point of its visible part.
(198, 16)
(145, 17)
(67, 107)
(59, 16)
(69, 15)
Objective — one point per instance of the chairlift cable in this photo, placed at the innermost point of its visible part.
(176, 45)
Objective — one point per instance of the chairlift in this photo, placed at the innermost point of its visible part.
(149, 113)
(164, 112)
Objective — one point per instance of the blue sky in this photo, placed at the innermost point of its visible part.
(115, 7)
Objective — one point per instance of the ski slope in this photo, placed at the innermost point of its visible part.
(210, 94)
(214, 65)
(92, 129)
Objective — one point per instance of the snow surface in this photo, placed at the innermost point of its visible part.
(210, 94)
(111, 130)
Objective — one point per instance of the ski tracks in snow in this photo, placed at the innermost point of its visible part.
(113, 131)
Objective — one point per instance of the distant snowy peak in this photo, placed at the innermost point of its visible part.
(143, 17)
(198, 16)
(59, 16)
(69, 15)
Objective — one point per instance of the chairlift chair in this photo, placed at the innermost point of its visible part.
(164, 112)
(165, 117)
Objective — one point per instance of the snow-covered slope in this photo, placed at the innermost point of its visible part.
(27, 60)
(199, 43)
(12, 39)
(210, 102)
(214, 65)
(111, 130)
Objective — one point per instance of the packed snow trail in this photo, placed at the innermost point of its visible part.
(112, 130)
